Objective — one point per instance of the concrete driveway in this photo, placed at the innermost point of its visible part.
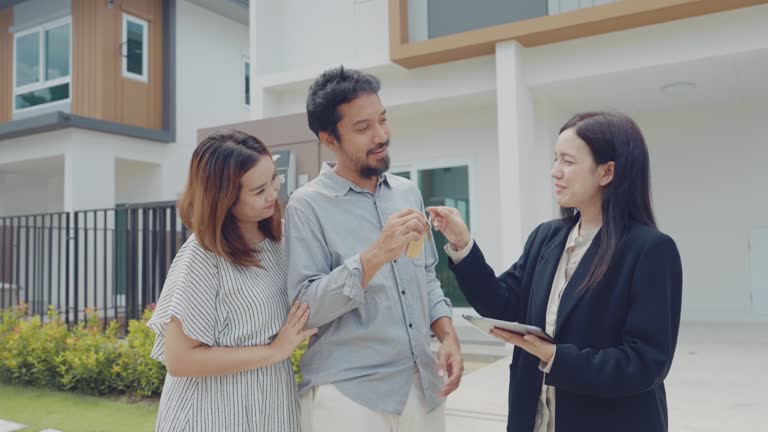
(718, 383)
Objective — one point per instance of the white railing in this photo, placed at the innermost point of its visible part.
(560, 6)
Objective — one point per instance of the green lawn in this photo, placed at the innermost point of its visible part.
(70, 412)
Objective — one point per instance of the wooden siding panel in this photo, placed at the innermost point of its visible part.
(83, 66)
(99, 89)
(6, 65)
(143, 102)
(94, 37)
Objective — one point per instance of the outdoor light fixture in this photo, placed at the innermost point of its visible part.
(678, 88)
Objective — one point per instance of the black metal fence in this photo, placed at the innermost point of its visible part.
(111, 261)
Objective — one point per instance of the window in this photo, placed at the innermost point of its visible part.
(445, 184)
(403, 174)
(135, 47)
(247, 79)
(42, 58)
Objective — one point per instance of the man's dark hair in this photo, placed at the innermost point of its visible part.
(336, 87)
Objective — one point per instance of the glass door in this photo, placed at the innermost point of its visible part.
(443, 185)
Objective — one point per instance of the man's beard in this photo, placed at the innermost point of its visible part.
(368, 171)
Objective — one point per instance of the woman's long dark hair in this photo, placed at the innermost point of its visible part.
(615, 137)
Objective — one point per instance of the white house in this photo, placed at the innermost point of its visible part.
(476, 92)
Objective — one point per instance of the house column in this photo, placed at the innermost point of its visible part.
(515, 110)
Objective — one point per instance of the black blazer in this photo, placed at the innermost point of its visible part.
(615, 341)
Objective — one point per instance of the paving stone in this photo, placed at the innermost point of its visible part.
(7, 426)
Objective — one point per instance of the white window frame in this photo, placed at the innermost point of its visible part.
(245, 60)
(144, 77)
(42, 83)
(469, 161)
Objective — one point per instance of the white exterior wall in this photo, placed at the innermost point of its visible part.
(69, 169)
(137, 182)
(295, 40)
(91, 158)
(295, 35)
(456, 135)
(209, 84)
(709, 192)
(737, 31)
(28, 194)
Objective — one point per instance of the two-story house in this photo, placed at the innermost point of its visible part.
(100, 99)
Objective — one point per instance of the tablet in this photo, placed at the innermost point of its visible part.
(486, 324)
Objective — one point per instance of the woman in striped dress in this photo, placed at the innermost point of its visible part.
(223, 325)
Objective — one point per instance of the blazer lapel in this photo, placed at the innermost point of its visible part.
(545, 274)
(573, 291)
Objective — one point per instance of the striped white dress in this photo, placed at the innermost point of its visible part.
(226, 305)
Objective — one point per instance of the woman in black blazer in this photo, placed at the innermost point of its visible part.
(602, 279)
